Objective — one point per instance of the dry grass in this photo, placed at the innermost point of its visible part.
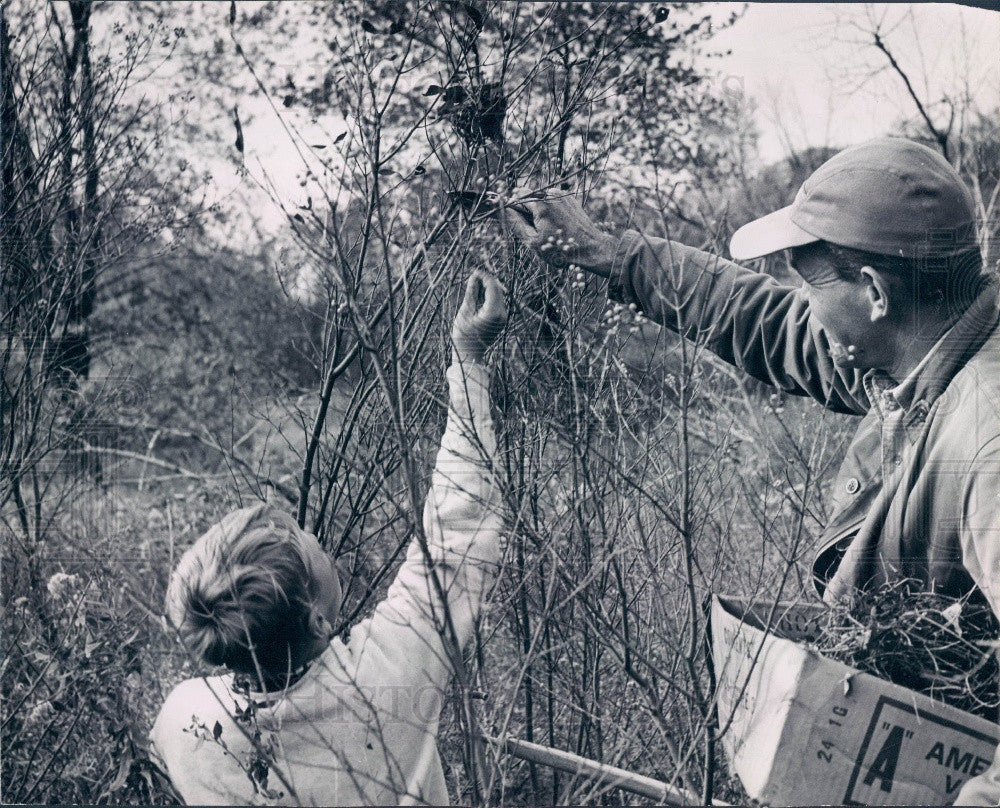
(934, 644)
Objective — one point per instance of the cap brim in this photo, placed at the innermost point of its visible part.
(768, 234)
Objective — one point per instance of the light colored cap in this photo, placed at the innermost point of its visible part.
(890, 196)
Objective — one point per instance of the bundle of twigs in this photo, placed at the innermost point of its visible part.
(937, 645)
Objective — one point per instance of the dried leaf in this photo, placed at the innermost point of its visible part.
(121, 778)
(239, 130)
(217, 731)
(951, 614)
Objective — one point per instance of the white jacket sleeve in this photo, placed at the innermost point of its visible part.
(462, 523)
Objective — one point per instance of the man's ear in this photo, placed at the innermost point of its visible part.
(878, 293)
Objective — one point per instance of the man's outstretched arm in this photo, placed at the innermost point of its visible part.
(746, 318)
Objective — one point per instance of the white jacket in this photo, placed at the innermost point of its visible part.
(360, 727)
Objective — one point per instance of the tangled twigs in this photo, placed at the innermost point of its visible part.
(934, 644)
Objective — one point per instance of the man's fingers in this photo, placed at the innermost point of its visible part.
(519, 224)
(557, 211)
(524, 212)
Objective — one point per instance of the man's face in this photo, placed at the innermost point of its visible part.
(847, 311)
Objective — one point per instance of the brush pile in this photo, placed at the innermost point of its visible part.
(939, 646)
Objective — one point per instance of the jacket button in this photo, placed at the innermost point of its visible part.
(853, 486)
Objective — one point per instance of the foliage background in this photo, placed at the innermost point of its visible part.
(168, 356)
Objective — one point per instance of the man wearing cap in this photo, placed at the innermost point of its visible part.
(896, 322)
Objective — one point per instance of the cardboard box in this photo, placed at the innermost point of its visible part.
(805, 730)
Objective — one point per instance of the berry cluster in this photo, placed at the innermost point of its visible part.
(618, 316)
(557, 249)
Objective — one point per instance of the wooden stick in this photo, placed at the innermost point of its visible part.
(611, 776)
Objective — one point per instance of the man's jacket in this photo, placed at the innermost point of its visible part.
(920, 500)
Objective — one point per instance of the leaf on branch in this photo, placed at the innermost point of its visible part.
(434, 89)
(288, 100)
(474, 14)
(367, 26)
(340, 137)
(419, 170)
(232, 12)
(385, 172)
(217, 729)
(239, 130)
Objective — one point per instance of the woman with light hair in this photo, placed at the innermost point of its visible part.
(302, 717)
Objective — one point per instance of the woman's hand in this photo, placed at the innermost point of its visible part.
(477, 326)
(562, 233)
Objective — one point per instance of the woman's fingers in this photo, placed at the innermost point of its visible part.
(495, 303)
(494, 299)
(477, 326)
(471, 300)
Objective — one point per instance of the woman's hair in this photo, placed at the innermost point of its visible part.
(952, 281)
(240, 595)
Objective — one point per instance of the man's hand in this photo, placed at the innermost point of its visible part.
(477, 326)
(562, 233)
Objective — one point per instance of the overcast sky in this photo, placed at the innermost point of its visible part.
(810, 70)
(812, 58)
